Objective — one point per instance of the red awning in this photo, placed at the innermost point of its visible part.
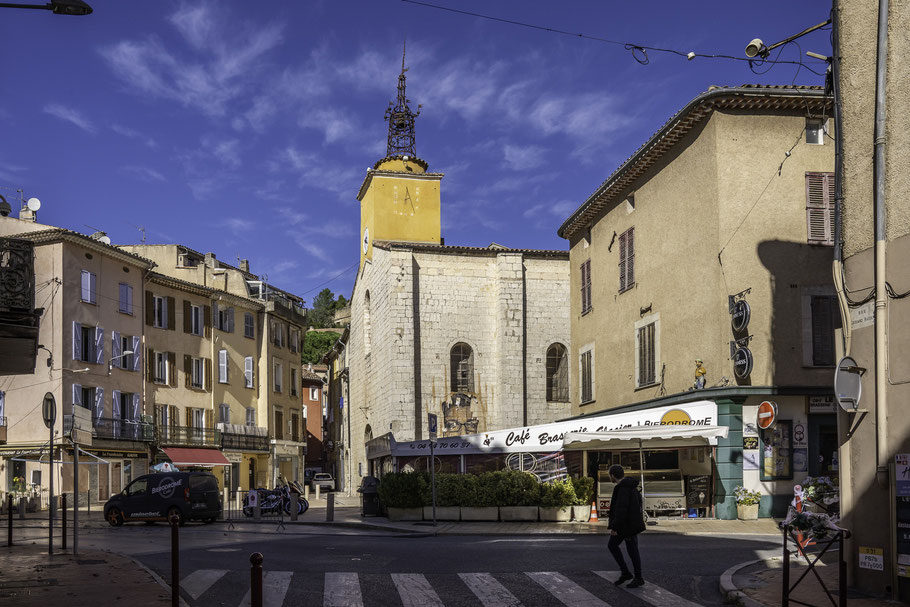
(196, 457)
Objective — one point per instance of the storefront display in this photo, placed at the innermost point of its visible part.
(777, 452)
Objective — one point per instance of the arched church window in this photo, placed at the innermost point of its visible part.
(557, 374)
(462, 362)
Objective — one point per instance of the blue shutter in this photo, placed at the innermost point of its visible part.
(99, 345)
(137, 354)
(77, 341)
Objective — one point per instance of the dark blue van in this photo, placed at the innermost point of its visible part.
(155, 497)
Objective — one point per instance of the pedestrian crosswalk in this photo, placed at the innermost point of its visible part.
(350, 589)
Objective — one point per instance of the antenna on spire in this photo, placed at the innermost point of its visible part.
(404, 47)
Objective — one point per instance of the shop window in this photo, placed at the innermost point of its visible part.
(777, 452)
(557, 374)
(462, 362)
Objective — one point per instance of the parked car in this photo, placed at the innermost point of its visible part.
(324, 481)
(155, 497)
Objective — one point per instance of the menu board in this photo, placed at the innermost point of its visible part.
(902, 478)
(777, 452)
(698, 491)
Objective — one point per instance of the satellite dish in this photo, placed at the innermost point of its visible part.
(33, 204)
(105, 240)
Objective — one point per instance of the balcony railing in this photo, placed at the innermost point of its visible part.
(17, 274)
(117, 429)
(247, 438)
(188, 435)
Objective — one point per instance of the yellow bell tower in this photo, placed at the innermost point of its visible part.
(399, 199)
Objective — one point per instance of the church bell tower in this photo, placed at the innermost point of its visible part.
(399, 199)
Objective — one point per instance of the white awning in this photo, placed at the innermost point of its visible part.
(654, 437)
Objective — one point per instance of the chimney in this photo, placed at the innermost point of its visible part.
(245, 265)
(210, 260)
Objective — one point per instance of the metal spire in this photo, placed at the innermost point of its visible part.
(402, 139)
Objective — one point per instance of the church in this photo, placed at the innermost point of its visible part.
(478, 336)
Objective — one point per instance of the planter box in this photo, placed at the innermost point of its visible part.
(443, 513)
(518, 513)
(560, 515)
(582, 514)
(747, 513)
(405, 514)
(470, 513)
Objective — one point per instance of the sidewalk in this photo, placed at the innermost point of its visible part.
(32, 578)
(760, 584)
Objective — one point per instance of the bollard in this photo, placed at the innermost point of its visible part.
(306, 492)
(22, 506)
(63, 517)
(330, 506)
(9, 511)
(257, 512)
(256, 579)
(175, 560)
(295, 504)
(785, 591)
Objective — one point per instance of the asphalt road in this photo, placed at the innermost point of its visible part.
(354, 567)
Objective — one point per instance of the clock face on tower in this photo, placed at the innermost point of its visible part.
(366, 239)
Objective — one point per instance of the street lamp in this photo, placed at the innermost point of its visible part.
(58, 7)
(110, 363)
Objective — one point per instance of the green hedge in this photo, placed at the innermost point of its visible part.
(403, 490)
(584, 490)
(557, 494)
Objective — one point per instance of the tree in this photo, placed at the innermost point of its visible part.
(316, 344)
(322, 315)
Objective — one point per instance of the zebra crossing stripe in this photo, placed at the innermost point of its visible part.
(201, 580)
(650, 593)
(274, 587)
(490, 592)
(415, 590)
(342, 590)
(567, 591)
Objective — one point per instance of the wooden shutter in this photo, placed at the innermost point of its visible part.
(230, 320)
(248, 371)
(99, 404)
(116, 350)
(207, 372)
(99, 346)
(188, 370)
(137, 354)
(820, 208)
(622, 262)
(171, 305)
(77, 395)
(150, 364)
(223, 366)
(187, 317)
(209, 418)
(646, 362)
(207, 320)
(77, 341)
(630, 258)
(149, 308)
(173, 417)
(215, 318)
(172, 369)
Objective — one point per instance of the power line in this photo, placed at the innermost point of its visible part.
(345, 271)
(639, 51)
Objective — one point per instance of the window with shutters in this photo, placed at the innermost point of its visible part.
(86, 346)
(224, 319)
(89, 287)
(462, 362)
(293, 381)
(248, 371)
(586, 287)
(126, 299)
(249, 325)
(557, 374)
(222, 366)
(821, 318)
(277, 372)
(294, 426)
(250, 416)
(88, 397)
(224, 414)
(646, 352)
(279, 424)
(314, 393)
(820, 208)
(586, 374)
(126, 361)
(196, 321)
(294, 340)
(161, 368)
(627, 260)
(197, 378)
(159, 312)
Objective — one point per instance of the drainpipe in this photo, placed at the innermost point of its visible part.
(838, 264)
(881, 296)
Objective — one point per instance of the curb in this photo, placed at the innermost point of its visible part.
(154, 575)
(729, 590)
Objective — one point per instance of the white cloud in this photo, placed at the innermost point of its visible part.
(10, 172)
(282, 266)
(134, 134)
(335, 124)
(305, 243)
(227, 151)
(291, 216)
(144, 173)
(238, 226)
(316, 171)
(523, 157)
(70, 115)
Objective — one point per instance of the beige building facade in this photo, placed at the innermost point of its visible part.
(718, 208)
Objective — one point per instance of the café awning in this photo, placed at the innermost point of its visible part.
(646, 437)
(182, 456)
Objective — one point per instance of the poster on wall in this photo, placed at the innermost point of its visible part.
(799, 435)
(750, 460)
(777, 452)
(750, 443)
(800, 460)
(749, 429)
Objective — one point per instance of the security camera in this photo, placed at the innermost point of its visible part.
(756, 48)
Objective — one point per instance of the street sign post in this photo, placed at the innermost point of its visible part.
(80, 434)
(432, 426)
(767, 414)
(49, 413)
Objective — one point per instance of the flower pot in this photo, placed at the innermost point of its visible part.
(747, 512)
(405, 514)
(557, 514)
(486, 513)
(518, 513)
(443, 513)
(582, 514)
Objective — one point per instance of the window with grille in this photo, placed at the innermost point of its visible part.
(647, 361)
(586, 364)
(462, 361)
(820, 208)
(627, 260)
(557, 374)
(586, 287)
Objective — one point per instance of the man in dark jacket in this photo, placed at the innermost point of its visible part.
(625, 523)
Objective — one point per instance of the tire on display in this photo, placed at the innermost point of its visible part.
(114, 517)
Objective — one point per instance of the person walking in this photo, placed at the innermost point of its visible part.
(626, 521)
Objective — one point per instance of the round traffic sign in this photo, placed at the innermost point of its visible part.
(741, 315)
(49, 410)
(767, 414)
(742, 363)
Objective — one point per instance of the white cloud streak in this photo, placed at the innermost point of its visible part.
(71, 115)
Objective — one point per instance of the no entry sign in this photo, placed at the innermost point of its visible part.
(767, 414)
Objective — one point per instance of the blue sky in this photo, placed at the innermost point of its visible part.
(245, 128)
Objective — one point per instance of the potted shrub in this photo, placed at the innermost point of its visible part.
(584, 497)
(448, 496)
(478, 502)
(556, 500)
(400, 493)
(746, 503)
(518, 495)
